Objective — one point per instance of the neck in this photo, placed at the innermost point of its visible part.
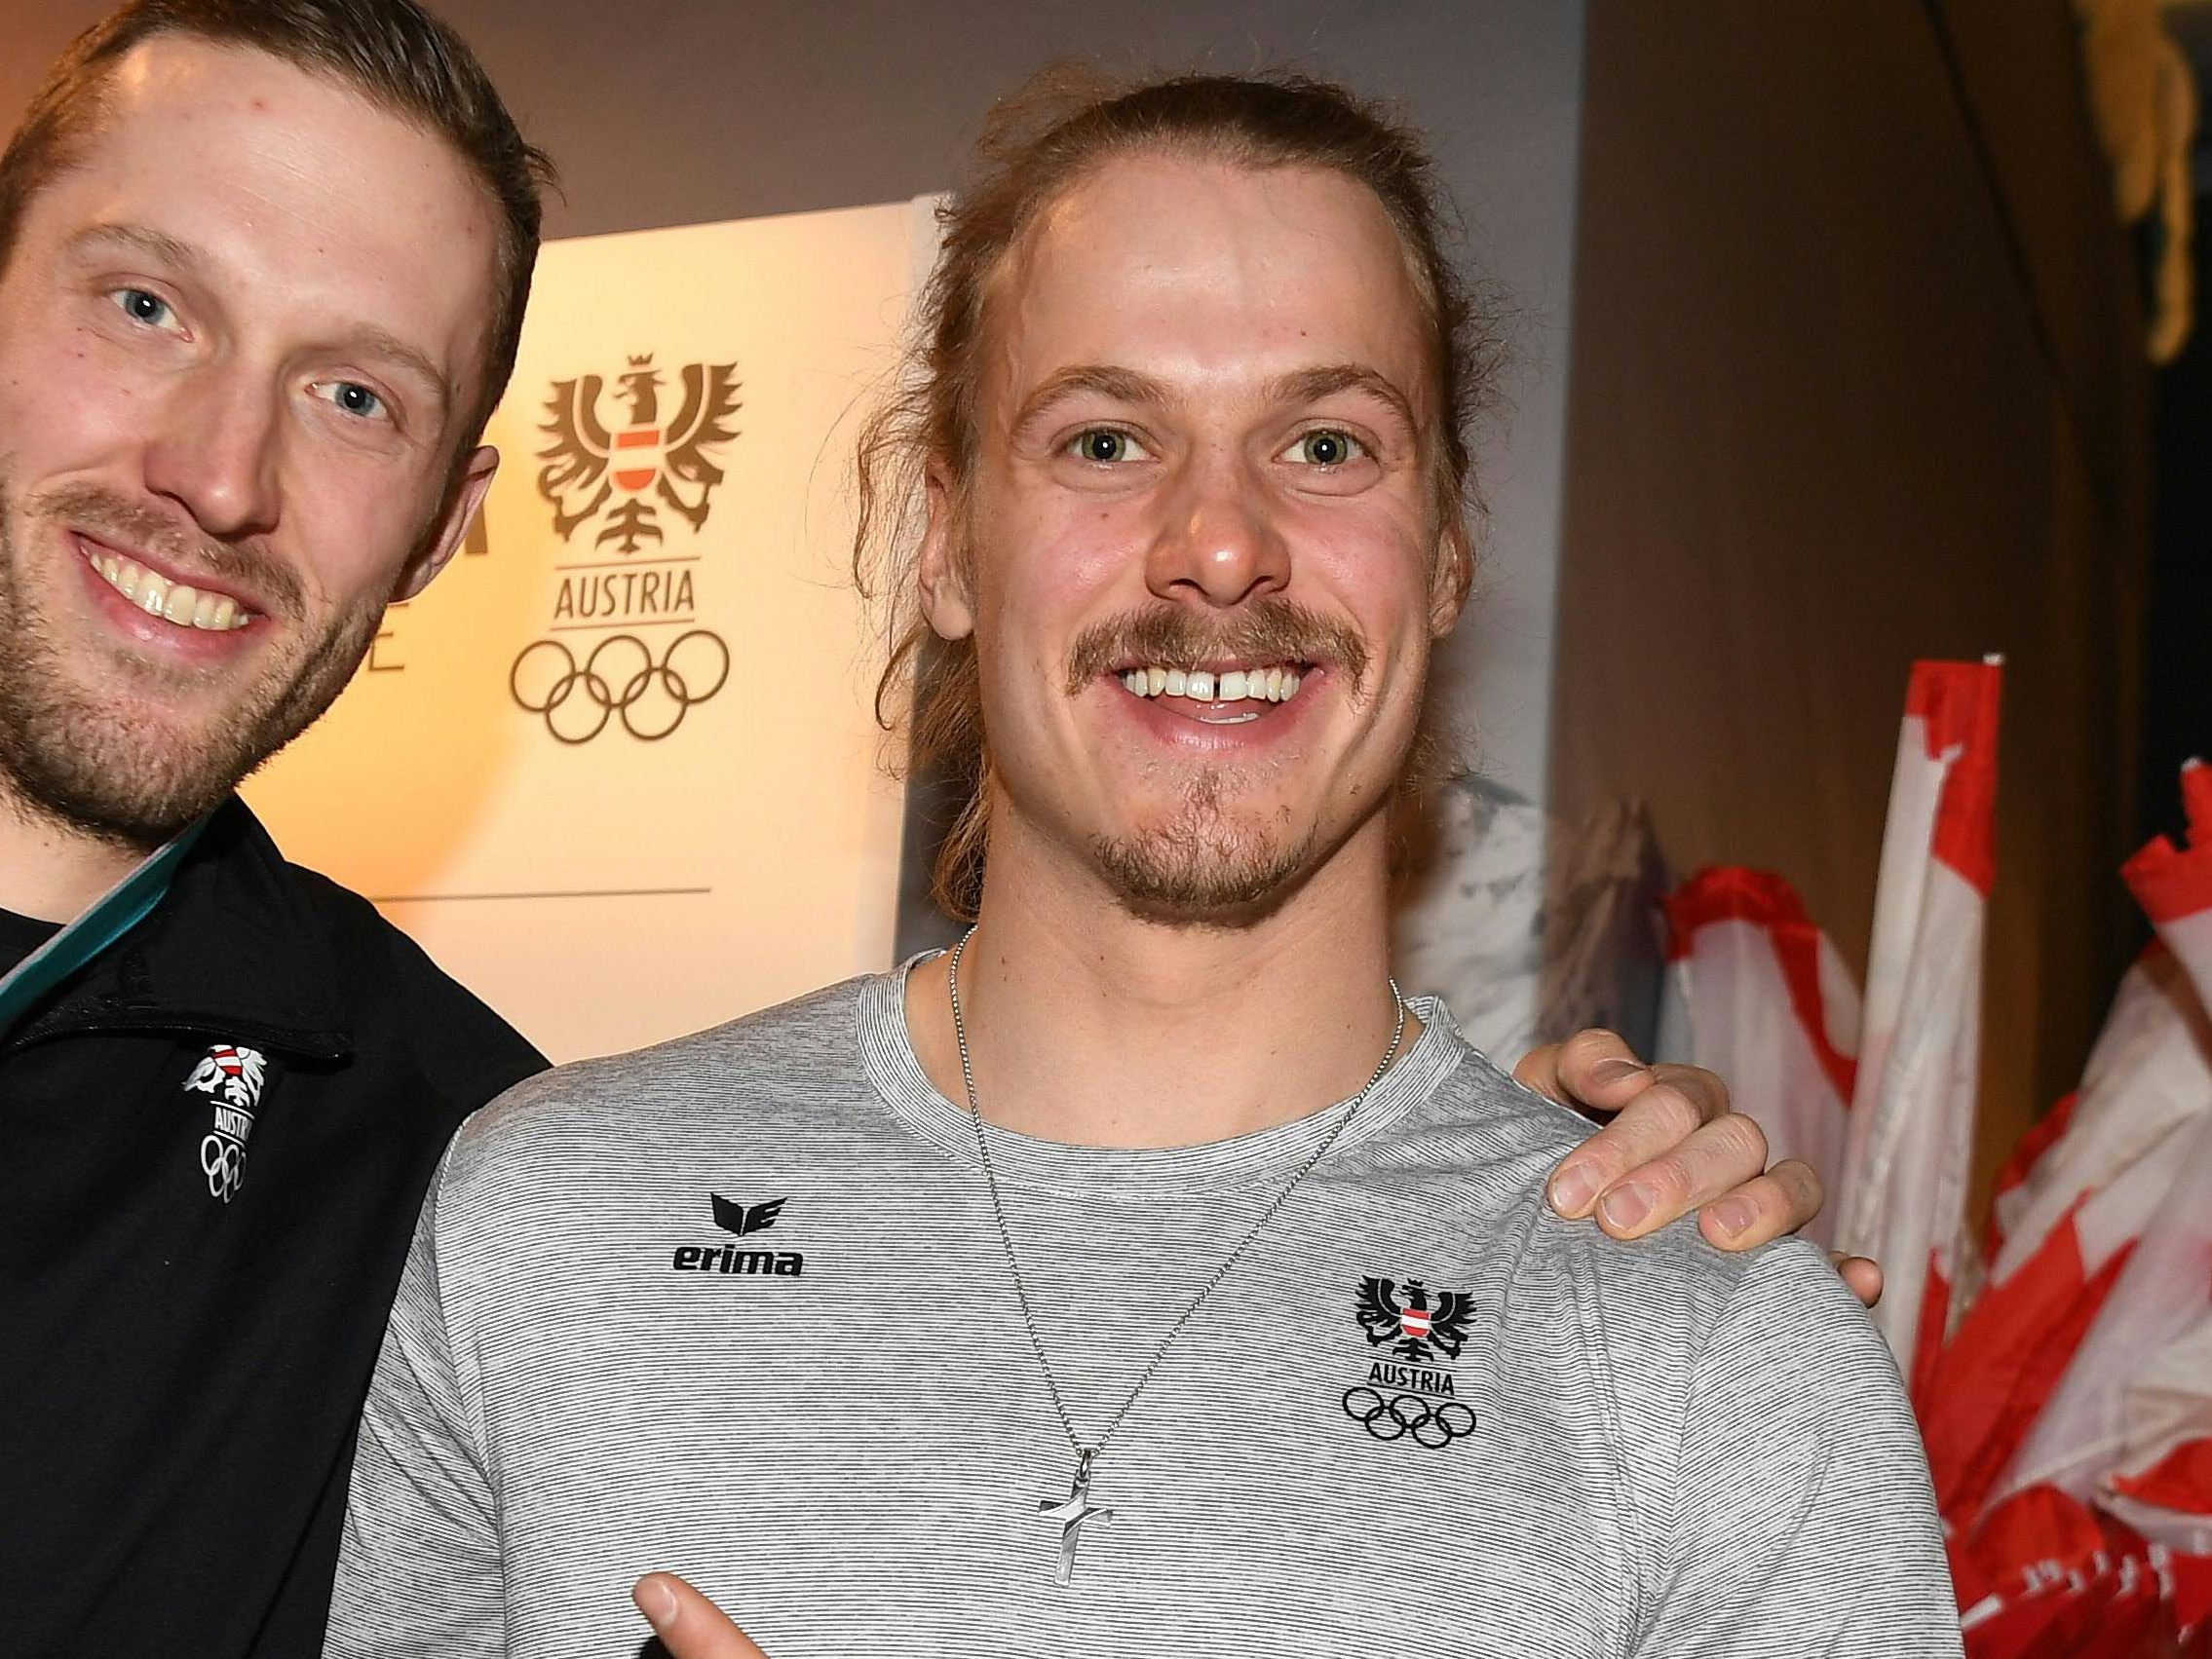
(52, 869)
(1088, 1025)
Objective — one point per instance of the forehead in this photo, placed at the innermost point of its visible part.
(1213, 271)
(289, 185)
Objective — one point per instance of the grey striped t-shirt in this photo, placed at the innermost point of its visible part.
(736, 1307)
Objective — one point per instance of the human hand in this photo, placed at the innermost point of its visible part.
(688, 1624)
(1673, 1145)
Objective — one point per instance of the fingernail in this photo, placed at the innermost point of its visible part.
(1625, 1208)
(1616, 1069)
(1731, 1216)
(1572, 1188)
(656, 1602)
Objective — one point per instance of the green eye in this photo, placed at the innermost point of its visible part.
(1104, 446)
(1326, 448)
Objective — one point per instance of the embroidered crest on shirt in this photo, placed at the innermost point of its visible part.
(1411, 1398)
(1411, 1324)
(233, 1077)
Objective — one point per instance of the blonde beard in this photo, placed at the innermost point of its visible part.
(1200, 867)
(69, 757)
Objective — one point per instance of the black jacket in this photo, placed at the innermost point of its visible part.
(194, 1270)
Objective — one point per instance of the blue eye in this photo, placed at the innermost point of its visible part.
(142, 307)
(352, 399)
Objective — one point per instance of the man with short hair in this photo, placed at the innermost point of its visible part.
(262, 268)
(1146, 1274)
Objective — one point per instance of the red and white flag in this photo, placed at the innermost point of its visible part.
(1758, 993)
(2161, 1482)
(2097, 1459)
(1911, 1141)
(2069, 1207)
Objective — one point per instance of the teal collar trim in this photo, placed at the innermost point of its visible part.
(109, 917)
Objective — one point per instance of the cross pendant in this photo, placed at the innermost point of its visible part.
(1071, 1513)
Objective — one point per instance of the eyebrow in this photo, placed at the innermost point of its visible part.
(1311, 385)
(367, 340)
(1128, 385)
(150, 241)
(1121, 385)
(372, 341)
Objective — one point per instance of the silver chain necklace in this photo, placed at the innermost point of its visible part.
(1071, 1512)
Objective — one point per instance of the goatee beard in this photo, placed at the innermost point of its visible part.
(1201, 869)
(73, 750)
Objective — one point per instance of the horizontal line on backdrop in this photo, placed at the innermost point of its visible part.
(581, 893)
(632, 564)
(612, 627)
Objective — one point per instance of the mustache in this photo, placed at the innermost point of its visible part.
(1268, 629)
(110, 517)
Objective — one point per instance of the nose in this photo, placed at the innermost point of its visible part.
(214, 451)
(1219, 544)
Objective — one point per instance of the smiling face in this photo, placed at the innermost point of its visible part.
(240, 339)
(1200, 552)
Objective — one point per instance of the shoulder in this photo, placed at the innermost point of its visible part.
(1694, 1345)
(1677, 1301)
(1479, 1098)
(705, 1083)
(1472, 1144)
(399, 995)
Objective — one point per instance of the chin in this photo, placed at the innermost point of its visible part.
(1203, 876)
(138, 784)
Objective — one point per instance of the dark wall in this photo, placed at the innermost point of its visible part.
(1855, 380)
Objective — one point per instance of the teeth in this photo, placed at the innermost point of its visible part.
(177, 602)
(1236, 685)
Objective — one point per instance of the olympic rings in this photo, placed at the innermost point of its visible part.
(223, 1160)
(1431, 1424)
(660, 693)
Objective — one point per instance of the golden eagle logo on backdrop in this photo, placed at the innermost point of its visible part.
(627, 472)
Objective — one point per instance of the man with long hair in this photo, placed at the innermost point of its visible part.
(1146, 1274)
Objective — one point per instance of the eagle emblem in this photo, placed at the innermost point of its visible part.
(234, 1073)
(1413, 1325)
(630, 470)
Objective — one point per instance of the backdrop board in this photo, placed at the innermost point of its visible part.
(616, 768)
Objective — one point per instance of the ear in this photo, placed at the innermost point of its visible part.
(1451, 578)
(462, 503)
(942, 572)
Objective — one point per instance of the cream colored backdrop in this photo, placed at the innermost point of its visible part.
(624, 781)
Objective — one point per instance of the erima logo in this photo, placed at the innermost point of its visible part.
(738, 1218)
(741, 1219)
